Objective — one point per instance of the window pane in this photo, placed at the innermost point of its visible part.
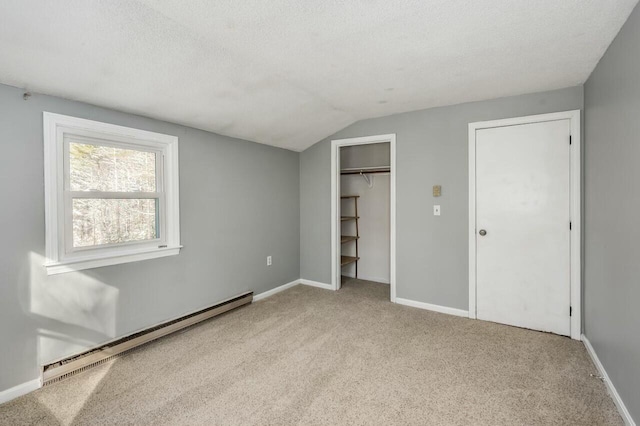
(110, 221)
(104, 168)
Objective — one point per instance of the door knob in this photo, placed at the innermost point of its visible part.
(482, 232)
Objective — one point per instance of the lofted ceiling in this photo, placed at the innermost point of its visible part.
(289, 73)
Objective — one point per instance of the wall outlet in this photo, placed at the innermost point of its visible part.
(436, 210)
(269, 262)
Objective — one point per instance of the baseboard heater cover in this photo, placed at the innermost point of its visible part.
(77, 363)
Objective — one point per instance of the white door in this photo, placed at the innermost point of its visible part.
(522, 225)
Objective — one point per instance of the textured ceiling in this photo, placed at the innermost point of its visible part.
(291, 72)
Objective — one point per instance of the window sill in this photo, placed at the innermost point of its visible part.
(111, 259)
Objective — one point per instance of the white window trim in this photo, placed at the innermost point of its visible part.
(55, 127)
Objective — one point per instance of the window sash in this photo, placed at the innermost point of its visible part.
(69, 249)
(59, 128)
(160, 157)
(66, 246)
(113, 195)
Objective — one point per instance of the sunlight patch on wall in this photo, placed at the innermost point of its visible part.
(74, 311)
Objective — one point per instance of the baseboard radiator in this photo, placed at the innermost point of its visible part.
(77, 363)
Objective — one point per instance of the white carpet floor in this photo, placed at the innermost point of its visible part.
(308, 356)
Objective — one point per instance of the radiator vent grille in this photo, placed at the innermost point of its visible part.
(86, 367)
(67, 367)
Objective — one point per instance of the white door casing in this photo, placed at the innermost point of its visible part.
(525, 193)
(335, 205)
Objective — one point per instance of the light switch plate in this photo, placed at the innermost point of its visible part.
(436, 210)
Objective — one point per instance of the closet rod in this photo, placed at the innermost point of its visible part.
(365, 170)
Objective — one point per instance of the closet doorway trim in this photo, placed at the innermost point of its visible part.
(335, 200)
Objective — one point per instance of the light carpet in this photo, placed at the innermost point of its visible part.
(312, 356)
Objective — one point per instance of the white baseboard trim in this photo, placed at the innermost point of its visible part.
(283, 287)
(316, 284)
(622, 409)
(16, 391)
(368, 278)
(435, 308)
(273, 291)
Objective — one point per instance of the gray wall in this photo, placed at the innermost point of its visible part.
(432, 149)
(612, 208)
(239, 202)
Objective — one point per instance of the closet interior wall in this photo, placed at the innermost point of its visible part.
(373, 211)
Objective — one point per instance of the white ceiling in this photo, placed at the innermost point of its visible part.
(291, 72)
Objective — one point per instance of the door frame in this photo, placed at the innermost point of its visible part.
(575, 208)
(335, 205)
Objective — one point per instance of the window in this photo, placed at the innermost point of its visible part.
(111, 194)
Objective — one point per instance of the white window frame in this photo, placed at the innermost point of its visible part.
(62, 257)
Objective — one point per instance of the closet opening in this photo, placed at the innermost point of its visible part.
(363, 212)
